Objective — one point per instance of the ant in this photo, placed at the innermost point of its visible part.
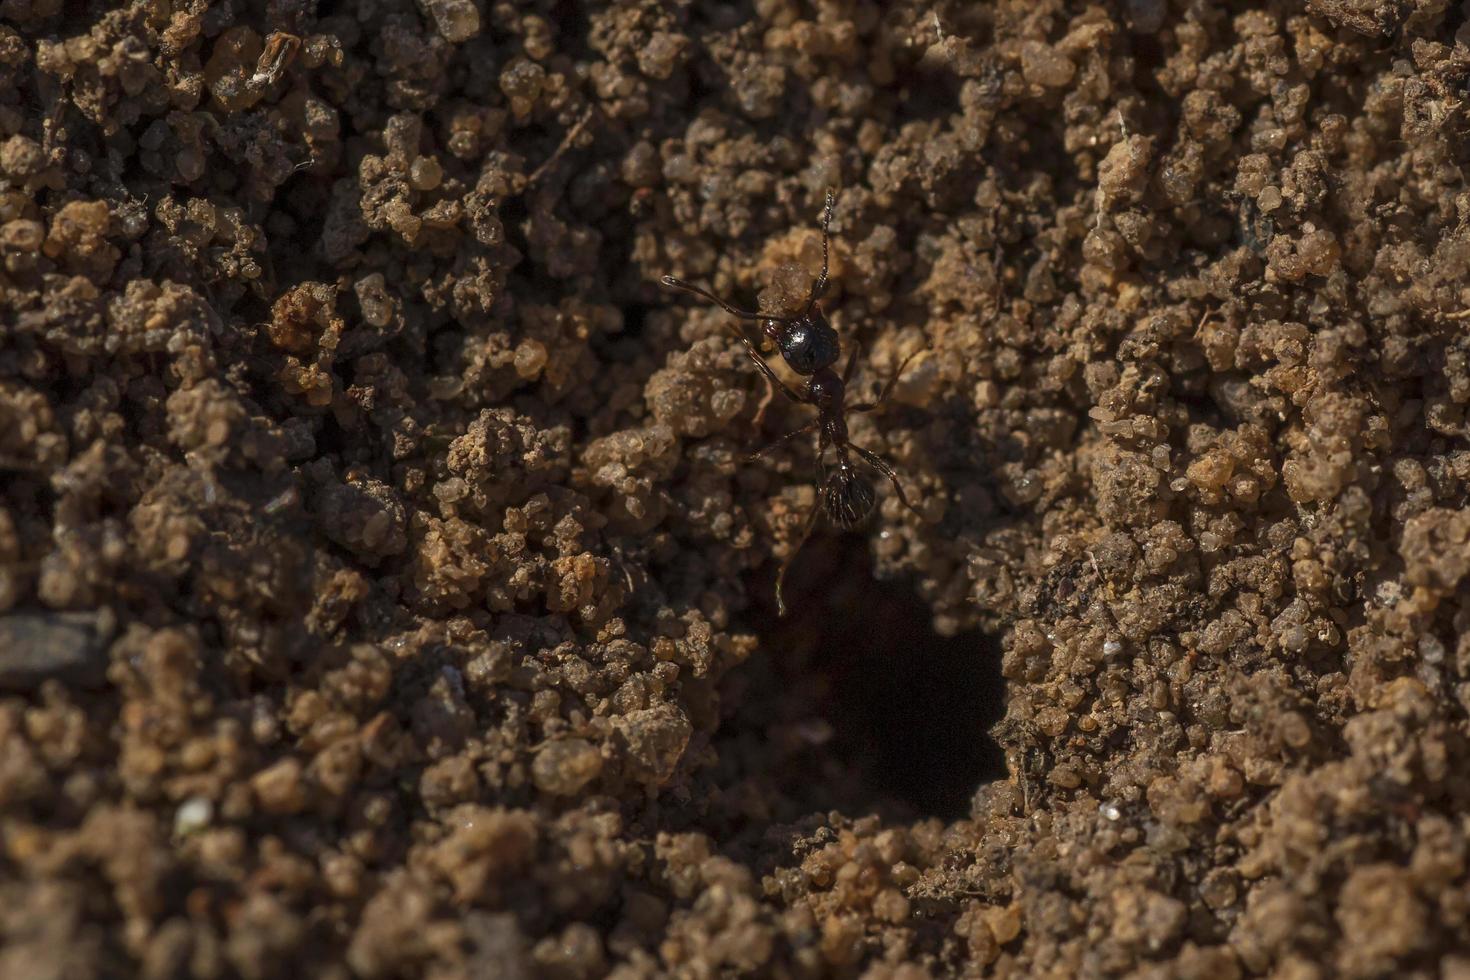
(811, 347)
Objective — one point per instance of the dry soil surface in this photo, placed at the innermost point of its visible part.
(384, 591)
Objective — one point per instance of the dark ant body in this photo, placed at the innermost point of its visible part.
(811, 347)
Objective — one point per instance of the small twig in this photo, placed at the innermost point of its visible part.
(565, 145)
(1204, 318)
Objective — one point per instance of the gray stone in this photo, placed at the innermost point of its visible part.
(68, 646)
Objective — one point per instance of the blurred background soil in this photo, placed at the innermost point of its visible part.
(384, 593)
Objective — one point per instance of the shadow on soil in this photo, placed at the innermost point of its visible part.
(896, 715)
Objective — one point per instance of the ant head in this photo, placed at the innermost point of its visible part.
(847, 497)
(808, 342)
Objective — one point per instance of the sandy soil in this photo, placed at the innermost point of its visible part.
(384, 592)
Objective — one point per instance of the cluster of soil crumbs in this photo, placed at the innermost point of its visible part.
(384, 588)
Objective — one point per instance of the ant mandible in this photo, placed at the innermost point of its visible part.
(810, 347)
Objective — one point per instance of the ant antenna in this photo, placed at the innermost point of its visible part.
(732, 310)
(819, 288)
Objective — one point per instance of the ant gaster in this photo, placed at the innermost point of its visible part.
(811, 347)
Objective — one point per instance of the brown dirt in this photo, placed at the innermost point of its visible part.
(383, 593)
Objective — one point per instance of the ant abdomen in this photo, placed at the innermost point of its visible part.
(848, 498)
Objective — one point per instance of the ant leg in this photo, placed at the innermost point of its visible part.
(819, 288)
(887, 388)
(765, 368)
(806, 532)
(882, 466)
(777, 444)
(732, 310)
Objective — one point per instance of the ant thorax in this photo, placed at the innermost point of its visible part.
(826, 390)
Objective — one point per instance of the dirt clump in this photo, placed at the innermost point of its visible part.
(384, 588)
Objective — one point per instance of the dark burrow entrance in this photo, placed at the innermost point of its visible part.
(856, 703)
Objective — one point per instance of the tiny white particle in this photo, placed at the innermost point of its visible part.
(193, 815)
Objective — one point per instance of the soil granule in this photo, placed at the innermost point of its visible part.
(385, 592)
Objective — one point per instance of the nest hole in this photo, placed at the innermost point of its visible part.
(873, 710)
